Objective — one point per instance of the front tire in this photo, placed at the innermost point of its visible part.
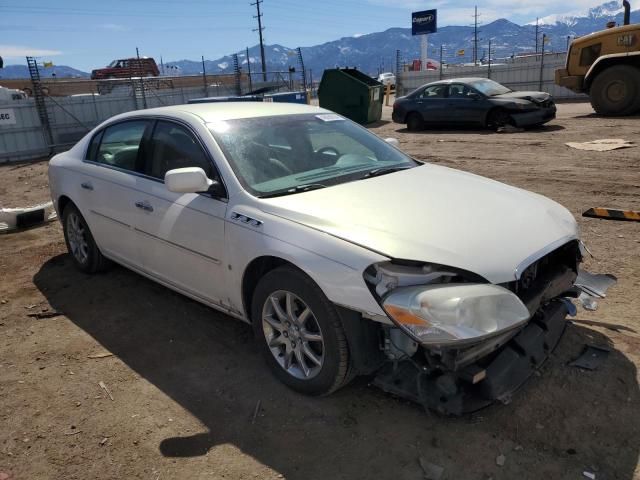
(415, 123)
(300, 332)
(80, 243)
(616, 91)
(498, 118)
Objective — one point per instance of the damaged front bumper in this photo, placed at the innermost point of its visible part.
(535, 117)
(455, 380)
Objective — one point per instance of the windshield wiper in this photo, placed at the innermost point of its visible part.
(297, 189)
(376, 172)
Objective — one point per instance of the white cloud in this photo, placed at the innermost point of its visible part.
(17, 51)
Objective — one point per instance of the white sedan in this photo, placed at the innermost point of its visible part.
(347, 256)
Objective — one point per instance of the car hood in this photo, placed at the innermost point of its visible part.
(439, 215)
(536, 97)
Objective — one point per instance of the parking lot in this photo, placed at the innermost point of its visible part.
(122, 378)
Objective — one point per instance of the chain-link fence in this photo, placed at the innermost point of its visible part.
(74, 107)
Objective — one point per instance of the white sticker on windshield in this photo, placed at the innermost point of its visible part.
(329, 117)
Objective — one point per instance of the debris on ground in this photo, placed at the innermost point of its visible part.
(104, 440)
(255, 412)
(100, 355)
(602, 145)
(41, 315)
(104, 387)
(609, 326)
(431, 470)
(591, 357)
(500, 460)
(590, 475)
(509, 129)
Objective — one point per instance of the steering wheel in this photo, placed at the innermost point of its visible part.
(274, 162)
(329, 149)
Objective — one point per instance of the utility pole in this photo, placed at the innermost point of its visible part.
(544, 38)
(537, 34)
(440, 66)
(249, 70)
(568, 41)
(259, 30)
(204, 78)
(489, 68)
(475, 36)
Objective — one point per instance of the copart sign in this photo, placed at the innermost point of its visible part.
(7, 117)
(424, 22)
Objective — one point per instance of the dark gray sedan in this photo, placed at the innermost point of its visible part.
(474, 101)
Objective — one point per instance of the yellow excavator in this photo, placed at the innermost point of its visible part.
(606, 66)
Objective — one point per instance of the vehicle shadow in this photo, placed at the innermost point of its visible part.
(562, 422)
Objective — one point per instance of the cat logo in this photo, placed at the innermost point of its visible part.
(626, 40)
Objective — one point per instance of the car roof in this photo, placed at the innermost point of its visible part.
(458, 80)
(216, 111)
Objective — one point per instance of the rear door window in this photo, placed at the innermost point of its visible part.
(120, 145)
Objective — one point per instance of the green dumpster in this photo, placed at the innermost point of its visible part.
(351, 93)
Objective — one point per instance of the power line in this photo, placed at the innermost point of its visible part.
(259, 30)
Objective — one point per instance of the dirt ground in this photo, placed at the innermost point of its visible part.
(184, 381)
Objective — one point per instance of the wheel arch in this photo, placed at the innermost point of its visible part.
(362, 335)
(607, 61)
(254, 271)
(63, 201)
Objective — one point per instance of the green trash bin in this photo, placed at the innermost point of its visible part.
(351, 93)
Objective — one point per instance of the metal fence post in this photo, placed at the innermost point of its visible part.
(544, 38)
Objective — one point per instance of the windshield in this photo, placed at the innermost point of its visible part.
(288, 153)
(489, 87)
(112, 64)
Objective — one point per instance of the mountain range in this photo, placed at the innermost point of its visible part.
(376, 52)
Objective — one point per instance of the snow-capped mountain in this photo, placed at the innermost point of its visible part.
(374, 52)
(377, 51)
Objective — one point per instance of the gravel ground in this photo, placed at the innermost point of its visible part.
(184, 381)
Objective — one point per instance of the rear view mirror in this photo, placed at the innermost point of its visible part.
(187, 180)
(393, 141)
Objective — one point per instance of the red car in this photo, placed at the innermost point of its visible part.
(126, 68)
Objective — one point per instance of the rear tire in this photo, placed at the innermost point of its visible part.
(80, 243)
(616, 91)
(415, 122)
(300, 332)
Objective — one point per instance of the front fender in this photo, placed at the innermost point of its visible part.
(335, 265)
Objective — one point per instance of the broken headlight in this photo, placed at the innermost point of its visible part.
(454, 313)
(443, 306)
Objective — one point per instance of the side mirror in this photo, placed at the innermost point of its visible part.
(393, 141)
(473, 96)
(187, 180)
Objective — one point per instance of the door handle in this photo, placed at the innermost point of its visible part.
(146, 206)
(86, 185)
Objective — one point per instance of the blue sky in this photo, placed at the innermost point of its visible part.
(88, 34)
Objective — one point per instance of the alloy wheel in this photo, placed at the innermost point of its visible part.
(77, 236)
(293, 334)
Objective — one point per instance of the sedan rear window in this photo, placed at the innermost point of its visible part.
(279, 154)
